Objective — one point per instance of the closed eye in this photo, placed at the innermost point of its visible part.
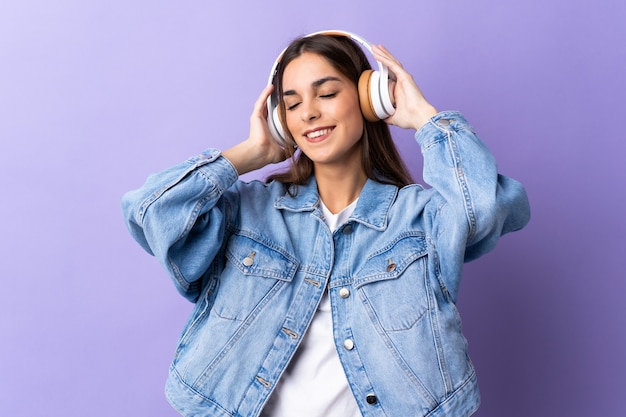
(293, 106)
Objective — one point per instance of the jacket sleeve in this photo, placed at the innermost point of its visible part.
(179, 216)
(473, 204)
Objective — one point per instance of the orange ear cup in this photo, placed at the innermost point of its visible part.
(365, 98)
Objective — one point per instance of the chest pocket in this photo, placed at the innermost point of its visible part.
(253, 273)
(393, 283)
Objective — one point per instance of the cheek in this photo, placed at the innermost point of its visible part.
(355, 122)
(351, 111)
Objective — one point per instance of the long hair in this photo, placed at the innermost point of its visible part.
(379, 156)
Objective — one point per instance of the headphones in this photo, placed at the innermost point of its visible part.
(373, 87)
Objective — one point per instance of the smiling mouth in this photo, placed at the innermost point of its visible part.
(319, 133)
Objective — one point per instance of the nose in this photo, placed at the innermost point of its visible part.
(309, 111)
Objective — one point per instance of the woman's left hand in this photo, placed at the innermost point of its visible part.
(412, 109)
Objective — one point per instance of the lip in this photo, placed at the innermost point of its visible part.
(317, 129)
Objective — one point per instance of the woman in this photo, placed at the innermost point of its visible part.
(329, 290)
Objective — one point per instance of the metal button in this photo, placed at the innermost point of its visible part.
(249, 260)
(371, 399)
(348, 344)
(344, 293)
(347, 230)
(291, 333)
(391, 266)
(444, 122)
(263, 381)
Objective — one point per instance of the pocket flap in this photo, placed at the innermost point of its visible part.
(393, 259)
(256, 258)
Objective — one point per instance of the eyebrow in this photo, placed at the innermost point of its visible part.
(314, 84)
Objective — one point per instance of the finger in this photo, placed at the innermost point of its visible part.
(384, 53)
(259, 104)
(388, 60)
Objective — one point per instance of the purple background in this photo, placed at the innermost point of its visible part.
(95, 95)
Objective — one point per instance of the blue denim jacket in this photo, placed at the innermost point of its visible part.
(256, 262)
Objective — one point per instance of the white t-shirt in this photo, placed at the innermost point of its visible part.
(314, 384)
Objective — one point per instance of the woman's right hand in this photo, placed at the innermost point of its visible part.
(260, 148)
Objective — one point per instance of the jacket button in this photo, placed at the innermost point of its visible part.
(249, 260)
(347, 230)
(348, 344)
(371, 399)
(344, 293)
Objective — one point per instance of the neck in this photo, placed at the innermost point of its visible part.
(339, 186)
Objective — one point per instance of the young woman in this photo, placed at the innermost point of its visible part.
(330, 289)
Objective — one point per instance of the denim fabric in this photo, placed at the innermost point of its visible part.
(256, 262)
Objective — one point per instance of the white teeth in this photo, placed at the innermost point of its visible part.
(318, 133)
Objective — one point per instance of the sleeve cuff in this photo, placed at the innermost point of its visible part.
(222, 172)
(439, 126)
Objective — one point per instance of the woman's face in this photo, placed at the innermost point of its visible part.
(322, 111)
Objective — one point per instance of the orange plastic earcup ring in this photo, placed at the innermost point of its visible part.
(365, 98)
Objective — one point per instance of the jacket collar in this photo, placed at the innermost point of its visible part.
(372, 209)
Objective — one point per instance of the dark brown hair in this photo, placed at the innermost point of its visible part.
(379, 157)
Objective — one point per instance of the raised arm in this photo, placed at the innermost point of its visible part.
(179, 215)
(472, 204)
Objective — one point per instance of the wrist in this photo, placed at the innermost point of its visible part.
(244, 158)
(423, 115)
